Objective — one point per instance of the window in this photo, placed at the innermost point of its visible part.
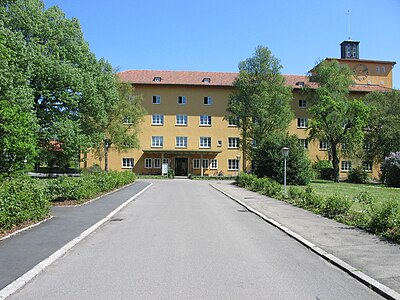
(181, 120)
(181, 99)
(346, 166)
(233, 121)
(233, 164)
(196, 163)
(181, 141)
(303, 143)
(157, 163)
(157, 141)
(233, 142)
(378, 69)
(127, 162)
(205, 142)
(206, 163)
(219, 143)
(207, 101)
(367, 167)
(205, 120)
(302, 122)
(148, 163)
(127, 120)
(323, 145)
(344, 147)
(157, 79)
(156, 99)
(206, 80)
(383, 70)
(302, 103)
(157, 120)
(213, 164)
(165, 161)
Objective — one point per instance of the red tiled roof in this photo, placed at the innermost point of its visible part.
(219, 79)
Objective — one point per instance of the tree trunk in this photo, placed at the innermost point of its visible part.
(335, 163)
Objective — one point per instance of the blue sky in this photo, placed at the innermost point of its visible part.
(214, 35)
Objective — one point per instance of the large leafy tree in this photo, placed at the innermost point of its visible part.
(382, 136)
(124, 117)
(72, 90)
(335, 117)
(260, 100)
(18, 131)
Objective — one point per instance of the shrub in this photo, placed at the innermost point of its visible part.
(323, 169)
(357, 175)
(335, 206)
(391, 170)
(268, 160)
(385, 219)
(22, 199)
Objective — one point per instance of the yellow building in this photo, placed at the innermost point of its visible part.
(185, 125)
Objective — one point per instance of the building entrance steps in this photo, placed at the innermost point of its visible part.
(353, 250)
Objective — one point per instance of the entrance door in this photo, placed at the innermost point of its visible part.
(181, 166)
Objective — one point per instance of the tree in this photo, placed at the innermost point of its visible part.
(18, 125)
(72, 90)
(260, 100)
(124, 118)
(382, 136)
(268, 159)
(335, 117)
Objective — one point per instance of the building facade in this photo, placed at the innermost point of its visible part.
(186, 124)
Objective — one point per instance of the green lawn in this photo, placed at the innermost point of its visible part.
(378, 191)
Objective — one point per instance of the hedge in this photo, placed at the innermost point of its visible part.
(381, 218)
(22, 199)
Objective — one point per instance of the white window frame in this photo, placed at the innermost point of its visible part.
(181, 120)
(196, 163)
(181, 142)
(323, 145)
(128, 162)
(302, 103)
(206, 163)
(383, 69)
(156, 99)
(127, 120)
(182, 100)
(157, 163)
(157, 120)
(148, 163)
(205, 120)
(205, 142)
(207, 100)
(213, 164)
(303, 143)
(302, 122)
(233, 142)
(233, 164)
(367, 167)
(345, 166)
(157, 141)
(166, 161)
(233, 121)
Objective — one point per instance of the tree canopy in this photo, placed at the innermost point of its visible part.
(51, 72)
(260, 100)
(335, 117)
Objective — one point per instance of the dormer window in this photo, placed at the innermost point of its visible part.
(300, 83)
(157, 79)
(206, 80)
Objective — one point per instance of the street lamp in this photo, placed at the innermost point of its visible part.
(238, 162)
(285, 153)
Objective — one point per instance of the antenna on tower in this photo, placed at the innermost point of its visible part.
(349, 22)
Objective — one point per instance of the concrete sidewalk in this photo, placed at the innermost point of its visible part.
(20, 253)
(365, 252)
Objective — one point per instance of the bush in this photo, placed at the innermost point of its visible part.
(335, 206)
(88, 185)
(323, 169)
(268, 160)
(391, 170)
(22, 199)
(265, 186)
(385, 219)
(357, 175)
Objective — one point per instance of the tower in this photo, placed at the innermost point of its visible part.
(349, 50)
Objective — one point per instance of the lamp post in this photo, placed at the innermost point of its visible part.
(285, 153)
(238, 162)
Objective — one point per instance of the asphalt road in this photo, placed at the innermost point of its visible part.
(184, 240)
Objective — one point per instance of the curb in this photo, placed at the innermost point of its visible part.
(373, 284)
(25, 278)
